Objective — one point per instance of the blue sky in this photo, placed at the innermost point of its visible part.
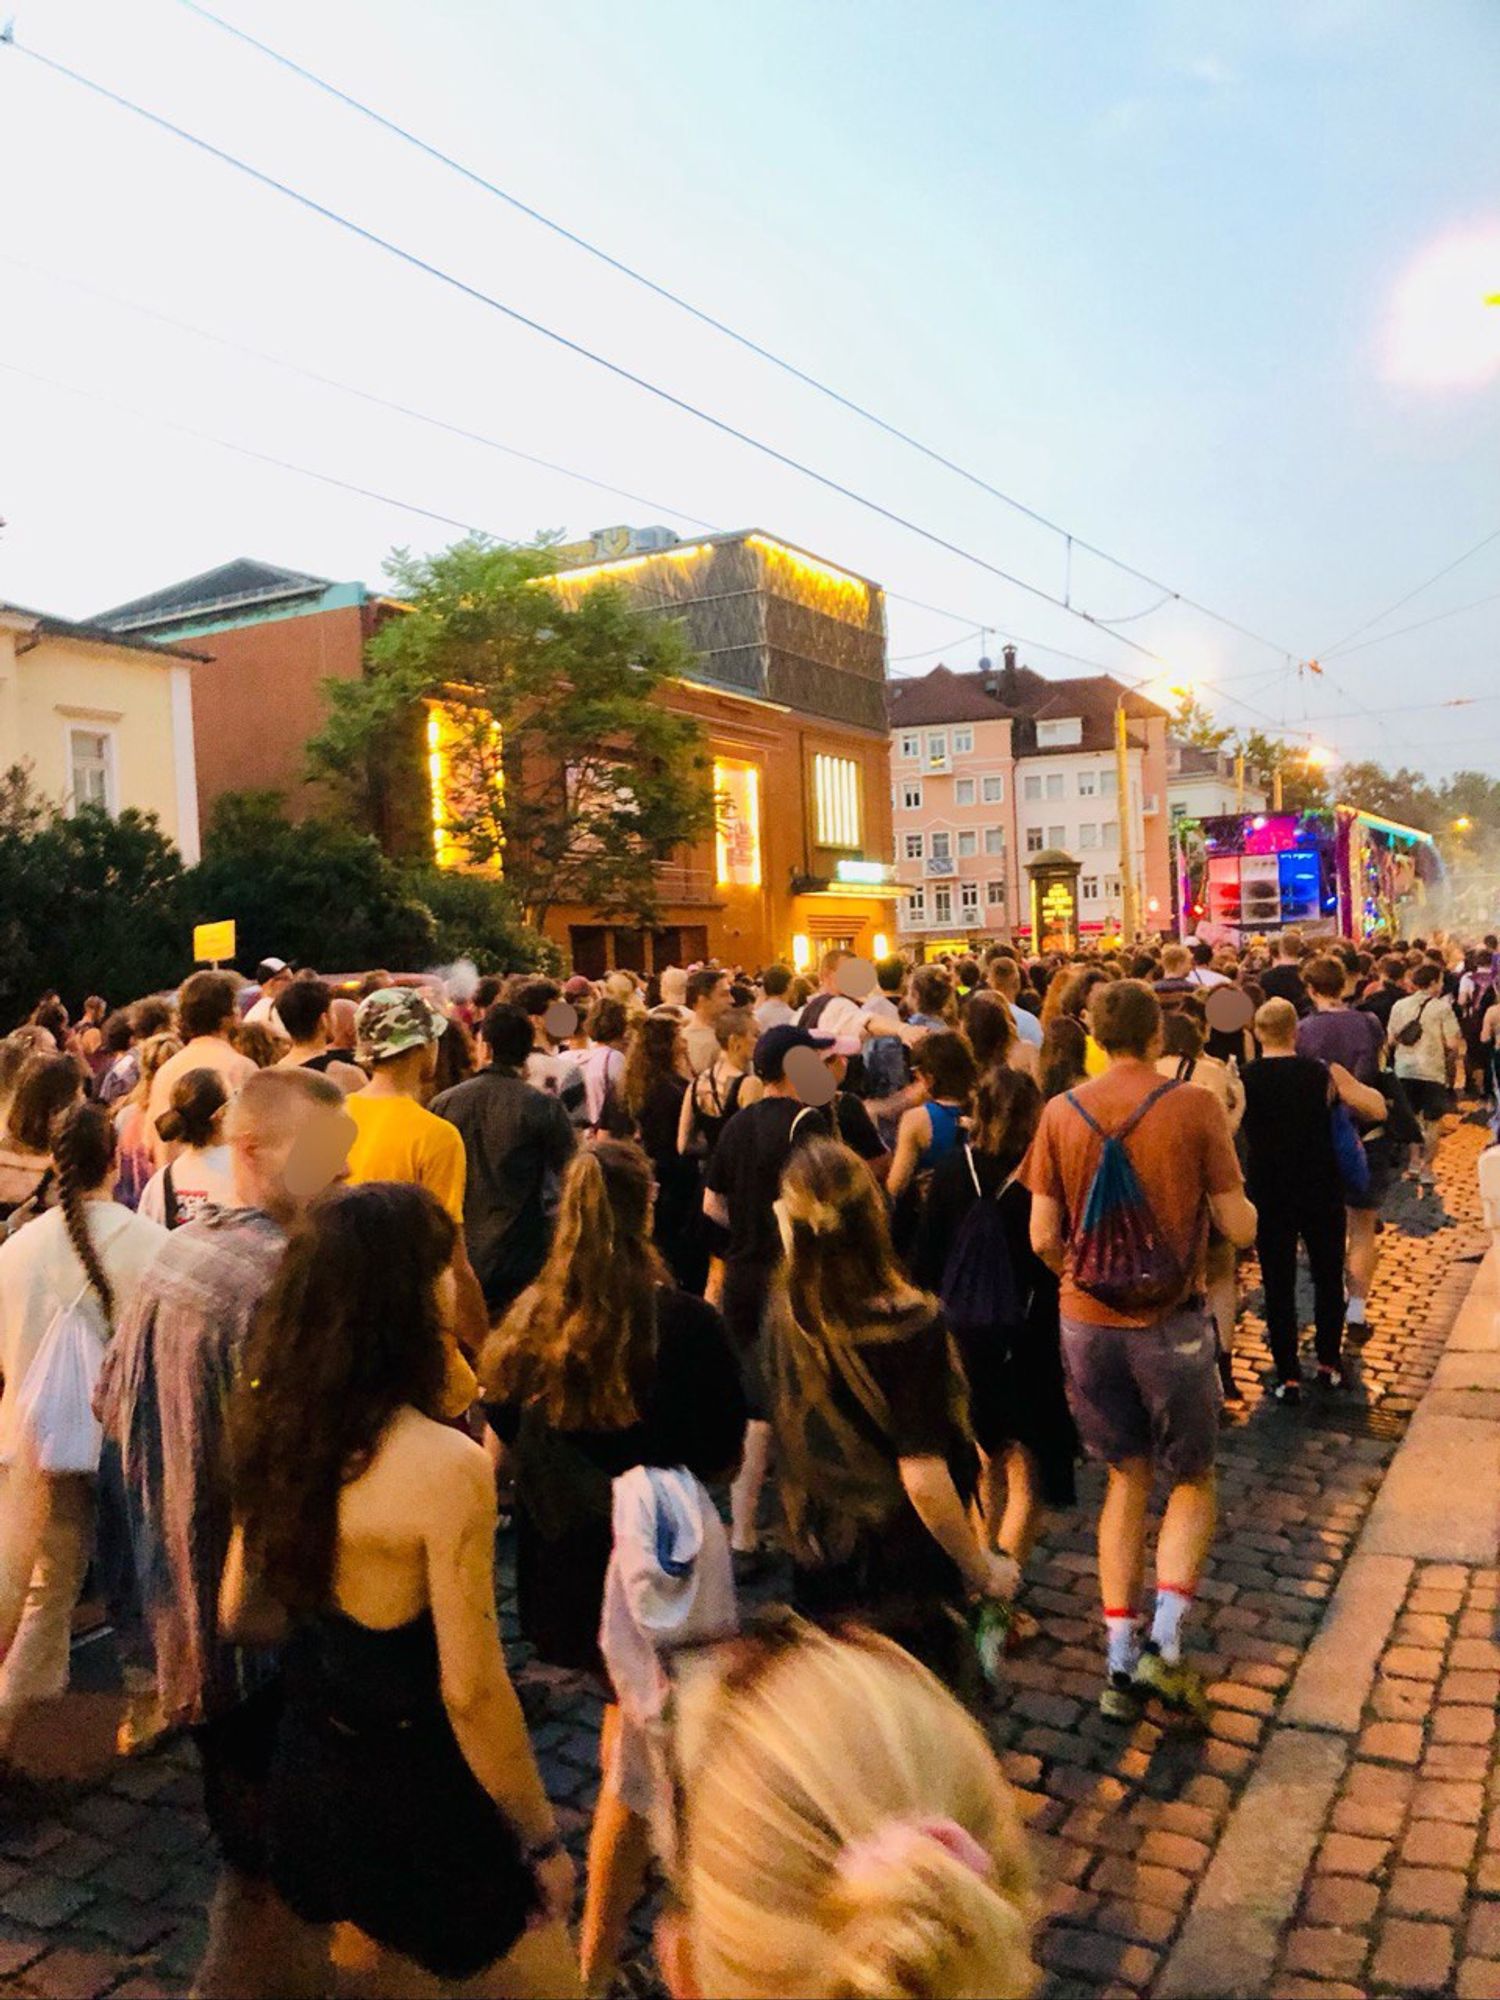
(1186, 277)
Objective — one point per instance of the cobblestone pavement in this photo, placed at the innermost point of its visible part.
(103, 1887)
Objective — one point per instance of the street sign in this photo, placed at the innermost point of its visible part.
(213, 942)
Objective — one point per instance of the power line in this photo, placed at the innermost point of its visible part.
(572, 346)
(1421, 624)
(720, 326)
(1381, 616)
(351, 389)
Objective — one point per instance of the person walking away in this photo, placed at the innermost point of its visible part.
(1006, 1325)
(1204, 972)
(273, 976)
(45, 1088)
(163, 1398)
(1005, 980)
(550, 1066)
(1428, 1044)
(1476, 995)
(206, 1012)
(516, 1140)
(707, 1000)
(306, 1010)
(945, 1071)
(196, 1181)
(773, 1011)
(1137, 1347)
(1382, 997)
(1282, 979)
(1335, 1032)
(603, 1365)
(403, 1795)
(718, 1090)
(396, 1137)
(1183, 1058)
(603, 1064)
(742, 1188)
(1063, 1061)
(88, 1254)
(656, 1085)
(869, 1410)
(1297, 1185)
(147, 1018)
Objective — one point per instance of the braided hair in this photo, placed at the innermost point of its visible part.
(83, 1151)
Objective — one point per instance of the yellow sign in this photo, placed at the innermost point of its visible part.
(737, 834)
(1057, 904)
(212, 943)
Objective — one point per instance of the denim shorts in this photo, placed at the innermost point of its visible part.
(1146, 1391)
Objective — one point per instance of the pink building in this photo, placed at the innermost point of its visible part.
(993, 769)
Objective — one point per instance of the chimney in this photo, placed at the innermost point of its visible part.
(1009, 680)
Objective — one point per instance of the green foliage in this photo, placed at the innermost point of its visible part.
(477, 919)
(314, 891)
(1402, 795)
(1304, 788)
(590, 781)
(88, 904)
(1193, 723)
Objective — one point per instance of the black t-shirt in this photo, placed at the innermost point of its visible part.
(1380, 1000)
(854, 1125)
(1289, 1134)
(747, 1166)
(692, 1415)
(1284, 982)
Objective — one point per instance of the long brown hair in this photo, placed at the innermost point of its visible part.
(1064, 1058)
(46, 1087)
(652, 1055)
(1007, 1110)
(83, 1151)
(991, 1031)
(581, 1344)
(349, 1333)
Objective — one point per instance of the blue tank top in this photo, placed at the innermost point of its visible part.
(944, 1119)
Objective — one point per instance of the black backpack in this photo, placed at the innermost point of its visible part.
(979, 1291)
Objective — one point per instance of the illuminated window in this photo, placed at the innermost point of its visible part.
(737, 827)
(836, 795)
(464, 784)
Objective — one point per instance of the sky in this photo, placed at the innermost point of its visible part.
(1201, 283)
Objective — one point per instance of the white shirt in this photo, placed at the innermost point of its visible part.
(1204, 975)
(1028, 1027)
(200, 1180)
(40, 1275)
(264, 1015)
(1428, 1061)
(775, 1014)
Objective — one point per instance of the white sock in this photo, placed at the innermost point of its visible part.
(1354, 1312)
(1122, 1641)
(1172, 1606)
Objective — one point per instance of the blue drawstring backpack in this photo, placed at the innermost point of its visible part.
(1120, 1255)
(979, 1286)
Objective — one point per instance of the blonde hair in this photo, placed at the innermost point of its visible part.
(846, 1831)
(1276, 1021)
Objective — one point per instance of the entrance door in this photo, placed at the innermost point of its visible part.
(589, 946)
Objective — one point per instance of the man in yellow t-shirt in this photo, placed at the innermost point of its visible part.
(397, 1139)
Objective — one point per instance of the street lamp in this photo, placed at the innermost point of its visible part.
(1463, 824)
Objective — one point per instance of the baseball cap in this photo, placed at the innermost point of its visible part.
(393, 1020)
(269, 967)
(776, 1044)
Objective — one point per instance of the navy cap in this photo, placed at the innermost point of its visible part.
(776, 1044)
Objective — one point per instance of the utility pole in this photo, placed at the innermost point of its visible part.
(1130, 915)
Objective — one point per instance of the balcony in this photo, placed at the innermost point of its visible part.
(942, 865)
(678, 883)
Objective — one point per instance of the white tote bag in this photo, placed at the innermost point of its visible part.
(55, 1402)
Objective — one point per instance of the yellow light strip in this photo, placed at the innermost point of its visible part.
(617, 565)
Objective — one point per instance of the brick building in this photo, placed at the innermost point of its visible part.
(993, 769)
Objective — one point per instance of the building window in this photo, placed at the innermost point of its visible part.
(916, 907)
(1107, 786)
(963, 791)
(992, 791)
(994, 893)
(1057, 836)
(911, 745)
(937, 746)
(1087, 784)
(968, 898)
(911, 795)
(1055, 784)
(963, 742)
(1109, 833)
(1034, 840)
(994, 840)
(942, 846)
(1065, 729)
(836, 795)
(1112, 888)
(916, 846)
(1088, 833)
(1088, 888)
(737, 834)
(1031, 786)
(942, 906)
(968, 844)
(1179, 812)
(91, 753)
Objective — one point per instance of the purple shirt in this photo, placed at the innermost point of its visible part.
(1343, 1035)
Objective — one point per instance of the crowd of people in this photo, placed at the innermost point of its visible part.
(693, 1285)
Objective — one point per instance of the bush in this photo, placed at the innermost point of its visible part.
(477, 919)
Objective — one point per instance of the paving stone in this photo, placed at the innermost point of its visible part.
(1465, 1761)
(1432, 1843)
(1483, 1689)
(1438, 1798)
(1351, 1854)
(1482, 1937)
(1454, 1724)
(1413, 1957)
(1413, 1663)
(1329, 1954)
(1394, 1742)
(45, 1901)
(1478, 1979)
(1427, 1892)
(1341, 1901)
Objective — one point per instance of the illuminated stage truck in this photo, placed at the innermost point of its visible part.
(789, 689)
(1341, 873)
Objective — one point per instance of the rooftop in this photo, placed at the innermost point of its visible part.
(40, 625)
(1018, 694)
(241, 585)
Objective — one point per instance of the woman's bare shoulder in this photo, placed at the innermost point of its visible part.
(431, 1457)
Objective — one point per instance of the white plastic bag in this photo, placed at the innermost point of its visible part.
(55, 1402)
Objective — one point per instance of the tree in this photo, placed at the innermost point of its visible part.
(1403, 795)
(477, 919)
(1195, 724)
(1304, 788)
(560, 756)
(314, 891)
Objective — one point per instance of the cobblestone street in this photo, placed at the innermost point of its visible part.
(102, 1888)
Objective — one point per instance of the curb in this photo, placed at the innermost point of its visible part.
(1439, 1501)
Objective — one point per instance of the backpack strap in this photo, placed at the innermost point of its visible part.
(1124, 1131)
(170, 1202)
(1185, 1067)
(973, 1170)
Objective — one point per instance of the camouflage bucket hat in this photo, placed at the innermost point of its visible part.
(395, 1019)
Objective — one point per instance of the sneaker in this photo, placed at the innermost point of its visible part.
(1177, 1686)
(1120, 1699)
(1288, 1392)
(1332, 1378)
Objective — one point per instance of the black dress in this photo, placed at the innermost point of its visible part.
(678, 1230)
(375, 1818)
(1017, 1392)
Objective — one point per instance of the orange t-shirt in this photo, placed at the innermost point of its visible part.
(1182, 1152)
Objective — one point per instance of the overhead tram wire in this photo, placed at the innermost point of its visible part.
(352, 389)
(565, 341)
(1437, 577)
(1401, 631)
(708, 319)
